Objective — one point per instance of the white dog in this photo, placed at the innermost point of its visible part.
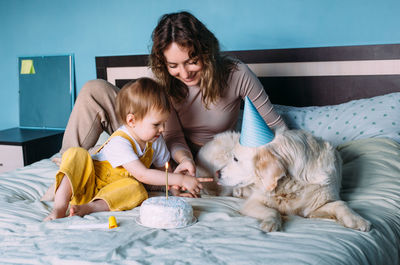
(294, 174)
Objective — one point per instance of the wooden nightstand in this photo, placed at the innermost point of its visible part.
(20, 147)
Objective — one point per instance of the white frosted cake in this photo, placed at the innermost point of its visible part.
(160, 212)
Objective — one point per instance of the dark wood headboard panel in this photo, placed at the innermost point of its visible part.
(303, 76)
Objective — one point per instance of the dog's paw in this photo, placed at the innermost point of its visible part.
(270, 225)
(364, 225)
(356, 222)
(242, 192)
(237, 192)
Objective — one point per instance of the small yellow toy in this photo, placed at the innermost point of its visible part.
(112, 222)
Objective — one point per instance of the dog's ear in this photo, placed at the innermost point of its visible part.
(268, 169)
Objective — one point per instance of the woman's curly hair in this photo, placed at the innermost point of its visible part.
(187, 31)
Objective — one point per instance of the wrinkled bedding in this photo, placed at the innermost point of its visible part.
(371, 186)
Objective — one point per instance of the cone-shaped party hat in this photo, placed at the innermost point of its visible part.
(255, 132)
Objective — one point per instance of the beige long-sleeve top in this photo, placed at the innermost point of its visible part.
(192, 121)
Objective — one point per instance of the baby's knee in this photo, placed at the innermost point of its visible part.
(140, 193)
(137, 187)
(75, 153)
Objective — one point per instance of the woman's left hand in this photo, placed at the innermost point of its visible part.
(186, 166)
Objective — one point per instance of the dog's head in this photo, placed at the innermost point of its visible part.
(215, 154)
(239, 171)
(250, 165)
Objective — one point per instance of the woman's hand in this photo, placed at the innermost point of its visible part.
(186, 166)
(176, 192)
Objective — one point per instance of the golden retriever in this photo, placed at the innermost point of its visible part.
(295, 174)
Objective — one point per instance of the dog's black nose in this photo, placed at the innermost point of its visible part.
(218, 174)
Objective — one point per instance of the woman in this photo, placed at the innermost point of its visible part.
(205, 88)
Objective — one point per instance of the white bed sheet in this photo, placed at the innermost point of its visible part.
(371, 185)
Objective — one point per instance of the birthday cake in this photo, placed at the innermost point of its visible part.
(160, 212)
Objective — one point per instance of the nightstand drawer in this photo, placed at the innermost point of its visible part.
(11, 157)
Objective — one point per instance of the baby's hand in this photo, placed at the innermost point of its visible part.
(186, 187)
(191, 184)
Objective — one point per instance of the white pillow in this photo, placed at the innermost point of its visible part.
(102, 138)
(364, 118)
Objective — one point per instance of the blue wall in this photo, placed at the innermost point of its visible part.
(89, 28)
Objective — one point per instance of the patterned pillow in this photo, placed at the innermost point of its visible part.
(364, 118)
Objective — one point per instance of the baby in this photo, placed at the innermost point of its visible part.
(111, 179)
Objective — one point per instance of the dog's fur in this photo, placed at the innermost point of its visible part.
(212, 157)
(295, 174)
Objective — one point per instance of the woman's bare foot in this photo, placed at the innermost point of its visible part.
(55, 214)
(88, 208)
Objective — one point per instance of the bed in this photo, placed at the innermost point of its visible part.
(347, 95)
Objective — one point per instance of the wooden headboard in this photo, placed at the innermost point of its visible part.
(296, 77)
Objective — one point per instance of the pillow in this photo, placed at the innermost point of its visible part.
(363, 118)
(102, 138)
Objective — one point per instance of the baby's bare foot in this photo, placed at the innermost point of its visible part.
(79, 210)
(88, 208)
(55, 214)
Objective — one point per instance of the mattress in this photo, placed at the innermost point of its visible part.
(370, 185)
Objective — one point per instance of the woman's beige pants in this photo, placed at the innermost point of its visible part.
(93, 113)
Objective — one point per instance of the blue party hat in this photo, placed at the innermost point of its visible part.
(255, 132)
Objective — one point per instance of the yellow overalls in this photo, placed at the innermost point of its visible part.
(91, 179)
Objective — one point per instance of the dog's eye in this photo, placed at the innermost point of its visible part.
(235, 159)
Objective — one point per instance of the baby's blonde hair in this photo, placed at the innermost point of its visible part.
(139, 97)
